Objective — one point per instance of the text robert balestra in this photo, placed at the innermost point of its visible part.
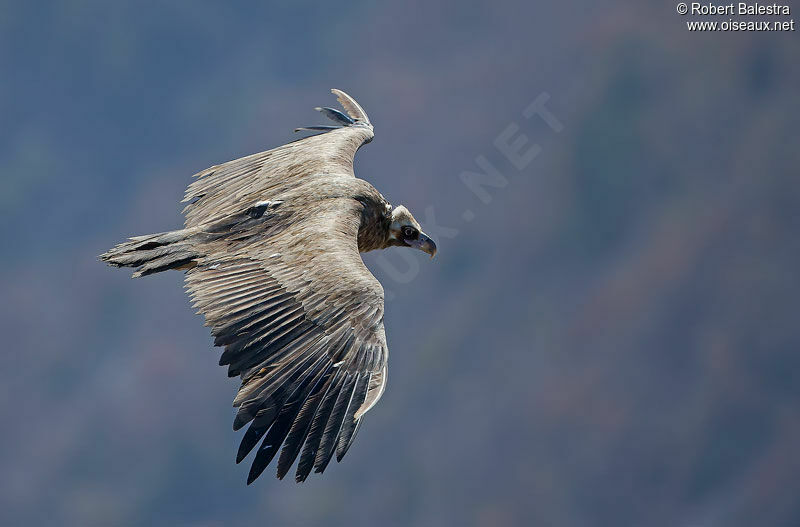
(742, 8)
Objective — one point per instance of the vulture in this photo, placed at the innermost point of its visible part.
(270, 249)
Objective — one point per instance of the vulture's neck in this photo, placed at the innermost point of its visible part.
(373, 233)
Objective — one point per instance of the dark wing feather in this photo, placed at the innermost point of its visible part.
(349, 423)
(335, 115)
(333, 425)
(318, 128)
(301, 320)
(318, 425)
(221, 190)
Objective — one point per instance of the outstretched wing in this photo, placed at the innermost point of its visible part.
(221, 190)
(301, 320)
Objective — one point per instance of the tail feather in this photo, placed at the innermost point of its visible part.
(154, 253)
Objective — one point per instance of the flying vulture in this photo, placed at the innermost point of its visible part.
(271, 248)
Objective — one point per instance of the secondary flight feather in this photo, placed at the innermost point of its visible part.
(271, 249)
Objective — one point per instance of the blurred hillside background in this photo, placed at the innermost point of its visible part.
(611, 340)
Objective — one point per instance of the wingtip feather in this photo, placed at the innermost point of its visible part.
(350, 105)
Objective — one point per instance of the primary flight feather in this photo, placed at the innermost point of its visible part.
(271, 248)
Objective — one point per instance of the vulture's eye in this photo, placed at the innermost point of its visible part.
(409, 232)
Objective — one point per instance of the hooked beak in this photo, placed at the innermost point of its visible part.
(424, 244)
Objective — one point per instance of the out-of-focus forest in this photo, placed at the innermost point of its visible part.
(608, 336)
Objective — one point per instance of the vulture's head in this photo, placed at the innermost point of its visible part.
(404, 231)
